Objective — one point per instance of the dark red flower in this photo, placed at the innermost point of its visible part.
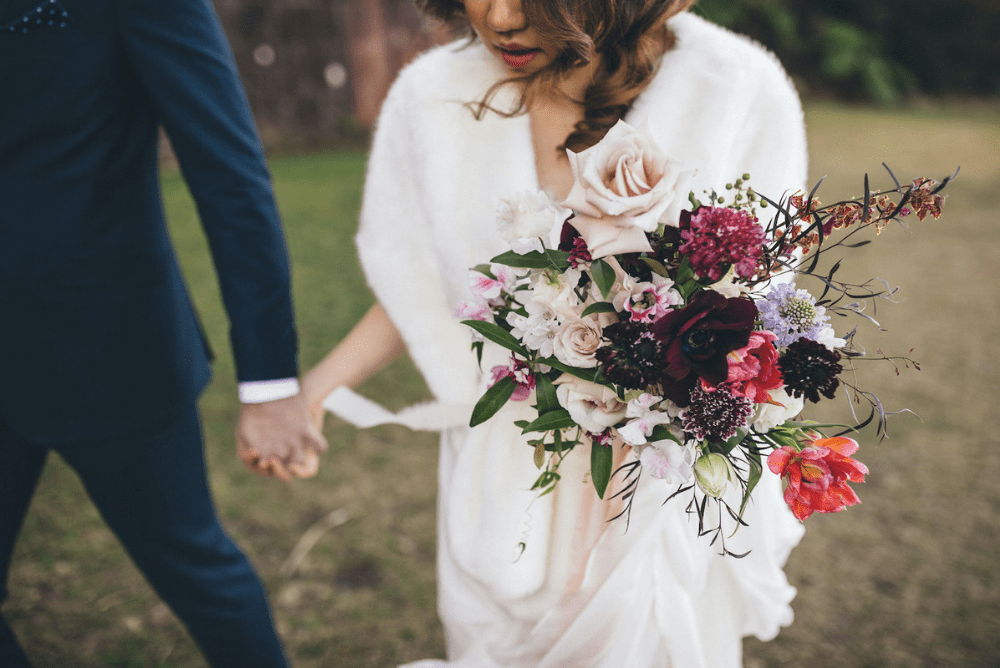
(567, 236)
(633, 357)
(809, 368)
(697, 339)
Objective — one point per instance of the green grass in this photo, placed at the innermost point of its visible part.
(909, 578)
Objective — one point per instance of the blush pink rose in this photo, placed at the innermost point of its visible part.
(623, 187)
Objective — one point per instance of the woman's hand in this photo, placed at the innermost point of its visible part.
(313, 396)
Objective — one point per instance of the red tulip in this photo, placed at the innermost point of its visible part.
(818, 475)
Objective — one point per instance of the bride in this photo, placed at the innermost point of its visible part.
(548, 581)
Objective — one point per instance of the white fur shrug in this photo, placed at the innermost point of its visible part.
(718, 103)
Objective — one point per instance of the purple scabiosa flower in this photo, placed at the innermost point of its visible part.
(791, 314)
(810, 369)
(716, 237)
(715, 414)
(634, 357)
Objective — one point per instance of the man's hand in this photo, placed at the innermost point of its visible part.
(280, 438)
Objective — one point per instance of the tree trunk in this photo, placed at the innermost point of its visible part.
(369, 54)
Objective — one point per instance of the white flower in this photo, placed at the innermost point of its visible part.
(623, 187)
(644, 418)
(536, 331)
(669, 461)
(525, 217)
(577, 342)
(556, 291)
(594, 407)
(828, 338)
(769, 416)
(525, 245)
(726, 287)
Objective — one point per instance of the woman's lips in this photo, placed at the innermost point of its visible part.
(516, 56)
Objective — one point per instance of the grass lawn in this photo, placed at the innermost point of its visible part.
(909, 578)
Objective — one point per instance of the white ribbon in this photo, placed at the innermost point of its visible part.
(364, 413)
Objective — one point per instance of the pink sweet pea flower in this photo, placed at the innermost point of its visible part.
(488, 289)
(522, 375)
(473, 311)
(652, 302)
(644, 419)
(818, 475)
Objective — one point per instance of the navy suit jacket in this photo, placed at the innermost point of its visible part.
(97, 333)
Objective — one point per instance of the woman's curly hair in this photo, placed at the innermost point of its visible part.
(629, 35)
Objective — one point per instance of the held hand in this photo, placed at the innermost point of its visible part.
(279, 438)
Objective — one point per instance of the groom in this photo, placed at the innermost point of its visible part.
(101, 355)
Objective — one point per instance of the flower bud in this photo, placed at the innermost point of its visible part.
(713, 472)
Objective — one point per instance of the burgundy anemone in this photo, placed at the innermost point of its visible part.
(697, 339)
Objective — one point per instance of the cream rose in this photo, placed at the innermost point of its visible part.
(577, 342)
(623, 187)
(594, 407)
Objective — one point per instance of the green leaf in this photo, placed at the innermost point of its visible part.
(549, 259)
(727, 447)
(485, 270)
(600, 467)
(656, 266)
(661, 433)
(593, 375)
(497, 335)
(598, 307)
(545, 393)
(557, 419)
(684, 272)
(753, 477)
(492, 400)
(539, 455)
(604, 276)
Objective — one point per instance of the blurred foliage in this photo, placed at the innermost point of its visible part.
(881, 50)
(315, 71)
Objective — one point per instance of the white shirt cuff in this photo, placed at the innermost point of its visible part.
(259, 391)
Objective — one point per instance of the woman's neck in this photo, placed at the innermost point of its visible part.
(553, 118)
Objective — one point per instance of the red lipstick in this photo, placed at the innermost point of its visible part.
(517, 56)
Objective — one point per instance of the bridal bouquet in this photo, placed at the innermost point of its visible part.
(671, 324)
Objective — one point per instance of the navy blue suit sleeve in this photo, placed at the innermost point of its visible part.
(183, 60)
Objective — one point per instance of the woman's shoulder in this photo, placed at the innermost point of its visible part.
(706, 50)
(458, 71)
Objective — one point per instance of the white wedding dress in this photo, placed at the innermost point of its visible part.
(547, 582)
